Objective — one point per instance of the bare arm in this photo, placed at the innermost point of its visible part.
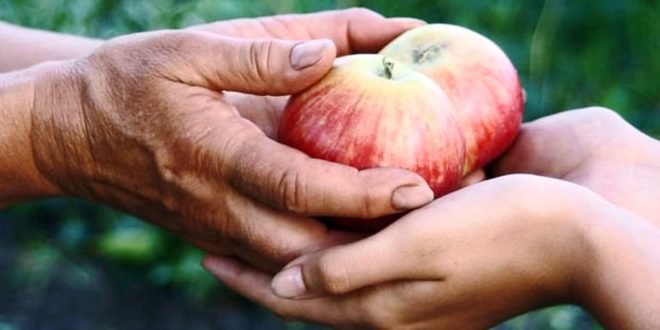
(137, 125)
(24, 47)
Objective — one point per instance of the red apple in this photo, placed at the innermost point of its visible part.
(369, 111)
(439, 100)
(477, 76)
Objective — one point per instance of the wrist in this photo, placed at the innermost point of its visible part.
(21, 179)
(59, 133)
(620, 283)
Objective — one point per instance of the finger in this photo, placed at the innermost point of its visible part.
(255, 66)
(241, 278)
(289, 180)
(262, 236)
(209, 246)
(255, 286)
(539, 143)
(536, 148)
(352, 30)
(387, 256)
(523, 155)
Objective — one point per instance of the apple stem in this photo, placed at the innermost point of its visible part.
(388, 65)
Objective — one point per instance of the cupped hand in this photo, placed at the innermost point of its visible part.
(468, 260)
(593, 147)
(144, 125)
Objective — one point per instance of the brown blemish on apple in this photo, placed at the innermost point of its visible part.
(430, 53)
(388, 67)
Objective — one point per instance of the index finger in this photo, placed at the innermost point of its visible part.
(355, 30)
(288, 179)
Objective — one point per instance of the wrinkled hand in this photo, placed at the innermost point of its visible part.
(467, 261)
(593, 147)
(355, 30)
(144, 125)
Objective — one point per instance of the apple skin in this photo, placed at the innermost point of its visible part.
(358, 116)
(478, 78)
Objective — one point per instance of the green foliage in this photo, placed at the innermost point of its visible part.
(569, 54)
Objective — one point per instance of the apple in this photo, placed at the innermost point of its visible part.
(477, 76)
(370, 111)
(439, 100)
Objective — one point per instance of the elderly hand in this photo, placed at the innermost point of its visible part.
(593, 147)
(473, 259)
(355, 30)
(144, 124)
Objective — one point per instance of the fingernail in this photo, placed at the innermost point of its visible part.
(289, 283)
(307, 53)
(408, 21)
(410, 197)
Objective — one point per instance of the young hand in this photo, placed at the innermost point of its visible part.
(593, 147)
(472, 259)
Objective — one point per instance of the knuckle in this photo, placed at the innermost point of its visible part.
(260, 53)
(169, 44)
(521, 182)
(602, 114)
(292, 188)
(536, 188)
(361, 12)
(370, 200)
(602, 121)
(376, 315)
(603, 117)
(270, 59)
(332, 276)
(237, 163)
(370, 194)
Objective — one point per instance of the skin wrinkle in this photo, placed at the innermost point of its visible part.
(17, 97)
(292, 186)
(65, 139)
(255, 65)
(240, 158)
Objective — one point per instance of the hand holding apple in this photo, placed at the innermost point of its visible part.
(371, 111)
(531, 242)
(597, 149)
(439, 100)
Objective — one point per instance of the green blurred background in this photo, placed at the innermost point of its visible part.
(67, 264)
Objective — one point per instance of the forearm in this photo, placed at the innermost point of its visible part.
(19, 178)
(23, 47)
(622, 289)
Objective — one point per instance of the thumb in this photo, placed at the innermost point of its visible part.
(255, 66)
(345, 268)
